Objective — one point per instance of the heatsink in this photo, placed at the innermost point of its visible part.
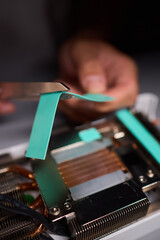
(93, 221)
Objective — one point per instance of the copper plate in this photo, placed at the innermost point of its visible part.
(82, 169)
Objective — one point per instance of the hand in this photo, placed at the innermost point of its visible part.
(5, 106)
(97, 67)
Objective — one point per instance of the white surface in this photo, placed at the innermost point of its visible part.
(147, 103)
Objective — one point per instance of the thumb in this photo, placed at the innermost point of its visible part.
(90, 71)
(92, 76)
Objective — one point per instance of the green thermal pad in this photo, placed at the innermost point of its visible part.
(89, 135)
(29, 198)
(44, 119)
(140, 133)
(50, 182)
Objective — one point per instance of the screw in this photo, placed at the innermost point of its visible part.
(118, 135)
(142, 179)
(150, 173)
(56, 211)
(67, 205)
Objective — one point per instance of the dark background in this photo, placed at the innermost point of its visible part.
(32, 31)
(133, 26)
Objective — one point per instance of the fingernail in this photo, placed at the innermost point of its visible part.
(94, 84)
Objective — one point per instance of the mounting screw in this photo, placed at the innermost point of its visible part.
(119, 135)
(55, 211)
(67, 205)
(150, 173)
(142, 179)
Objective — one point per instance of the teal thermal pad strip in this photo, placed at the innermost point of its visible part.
(140, 132)
(89, 135)
(42, 126)
(44, 119)
(91, 97)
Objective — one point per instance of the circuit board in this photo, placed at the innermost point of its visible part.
(95, 180)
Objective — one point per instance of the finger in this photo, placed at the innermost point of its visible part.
(73, 107)
(83, 111)
(91, 73)
(77, 113)
(123, 69)
(123, 74)
(124, 90)
(92, 77)
(124, 96)
(6, 108)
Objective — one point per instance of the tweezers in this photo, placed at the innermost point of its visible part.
(27, 90)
